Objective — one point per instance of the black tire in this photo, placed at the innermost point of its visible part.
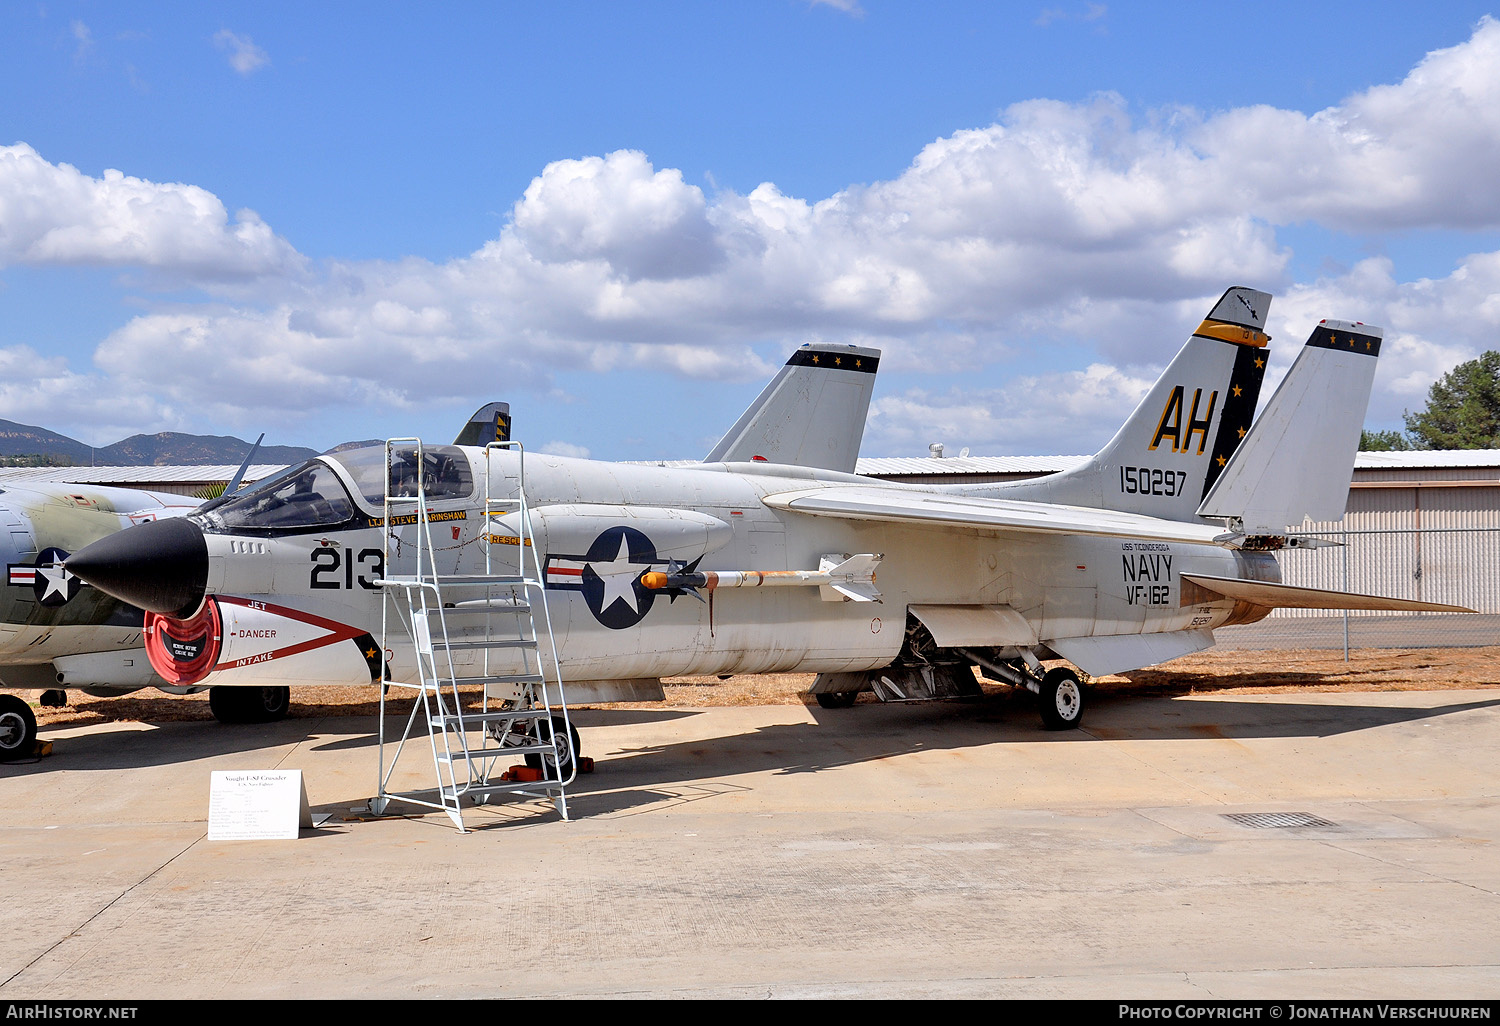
(249, 705)
(547, 731)
(17, 729)
(1061, 699)
(836, 699)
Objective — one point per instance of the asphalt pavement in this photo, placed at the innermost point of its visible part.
(1269, 847)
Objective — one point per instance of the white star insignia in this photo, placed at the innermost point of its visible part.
(57, 579)
(619, 576)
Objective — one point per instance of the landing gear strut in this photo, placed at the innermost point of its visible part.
(1059, 692)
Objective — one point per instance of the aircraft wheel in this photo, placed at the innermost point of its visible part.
(17, 729)
(249, 705)
(270, 704)
(1061, 699)
(564, 747)
(836, 699)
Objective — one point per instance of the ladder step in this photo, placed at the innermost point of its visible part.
(492, 753)
(501, 678)
(495, 716)
(501, 786)
(496, 605)
(482, 580)
(455, 646)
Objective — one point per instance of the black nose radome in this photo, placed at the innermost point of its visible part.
(161, 566)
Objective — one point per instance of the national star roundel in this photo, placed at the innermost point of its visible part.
(609, 576)
(52, 585)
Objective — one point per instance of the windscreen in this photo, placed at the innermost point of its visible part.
(310, 496)
(443, 472)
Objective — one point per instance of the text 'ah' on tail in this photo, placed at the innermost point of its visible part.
(1169, 451)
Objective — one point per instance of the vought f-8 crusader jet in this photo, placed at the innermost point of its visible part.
(772, 555)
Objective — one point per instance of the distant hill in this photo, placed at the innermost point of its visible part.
(25, 440)
(167, 448)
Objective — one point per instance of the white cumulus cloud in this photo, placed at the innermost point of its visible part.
(55, 214)
(1084, 223)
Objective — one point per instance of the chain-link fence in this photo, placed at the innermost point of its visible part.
(1454, 565)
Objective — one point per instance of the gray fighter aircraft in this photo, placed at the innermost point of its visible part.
(54, 631)
(1128, 560)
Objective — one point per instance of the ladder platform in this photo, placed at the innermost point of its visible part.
(487, 643)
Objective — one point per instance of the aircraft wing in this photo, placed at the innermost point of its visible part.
(1286, 596)
(1000, 516)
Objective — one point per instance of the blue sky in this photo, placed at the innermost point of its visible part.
(332, 222)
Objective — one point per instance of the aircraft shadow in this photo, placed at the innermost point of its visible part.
(842, 737)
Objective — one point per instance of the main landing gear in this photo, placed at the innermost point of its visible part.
(17, 729)
(249, 704)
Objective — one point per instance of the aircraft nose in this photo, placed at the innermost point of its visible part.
(160, 566)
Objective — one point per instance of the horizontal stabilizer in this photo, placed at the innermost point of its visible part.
(1286, 596)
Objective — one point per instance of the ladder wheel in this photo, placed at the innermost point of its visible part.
(567, 754)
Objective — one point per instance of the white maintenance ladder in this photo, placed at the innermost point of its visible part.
(522, 712)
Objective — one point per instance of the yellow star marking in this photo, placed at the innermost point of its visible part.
(370, 654)
(1241, 431)
(815, 357)
(1222, 461)
(858, 363)
(838, 360)
(1236, 389)
(1333, 340)
(1259, 364)
(1367, 345)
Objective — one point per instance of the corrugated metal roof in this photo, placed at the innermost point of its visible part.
(1427, 459)
(135, 476)
(897, 466)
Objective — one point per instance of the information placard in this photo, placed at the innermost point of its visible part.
(257, 805)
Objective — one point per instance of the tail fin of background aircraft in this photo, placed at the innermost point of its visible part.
(1168, 453)
(490, 423)
(1298, 458)
(812, 414)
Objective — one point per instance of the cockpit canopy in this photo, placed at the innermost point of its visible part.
(310, 496)
(443, 472)
(313, 496)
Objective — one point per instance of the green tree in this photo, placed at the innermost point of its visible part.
(1383, 441)
(1463, 408)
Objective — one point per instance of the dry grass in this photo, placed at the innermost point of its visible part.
(1213, 672)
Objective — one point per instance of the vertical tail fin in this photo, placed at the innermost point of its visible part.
(812, 414)
(1298, 458)
(1169, 452)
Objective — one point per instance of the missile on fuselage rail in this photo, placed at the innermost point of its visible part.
(852, 578)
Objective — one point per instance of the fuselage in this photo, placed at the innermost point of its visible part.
(317, 550)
